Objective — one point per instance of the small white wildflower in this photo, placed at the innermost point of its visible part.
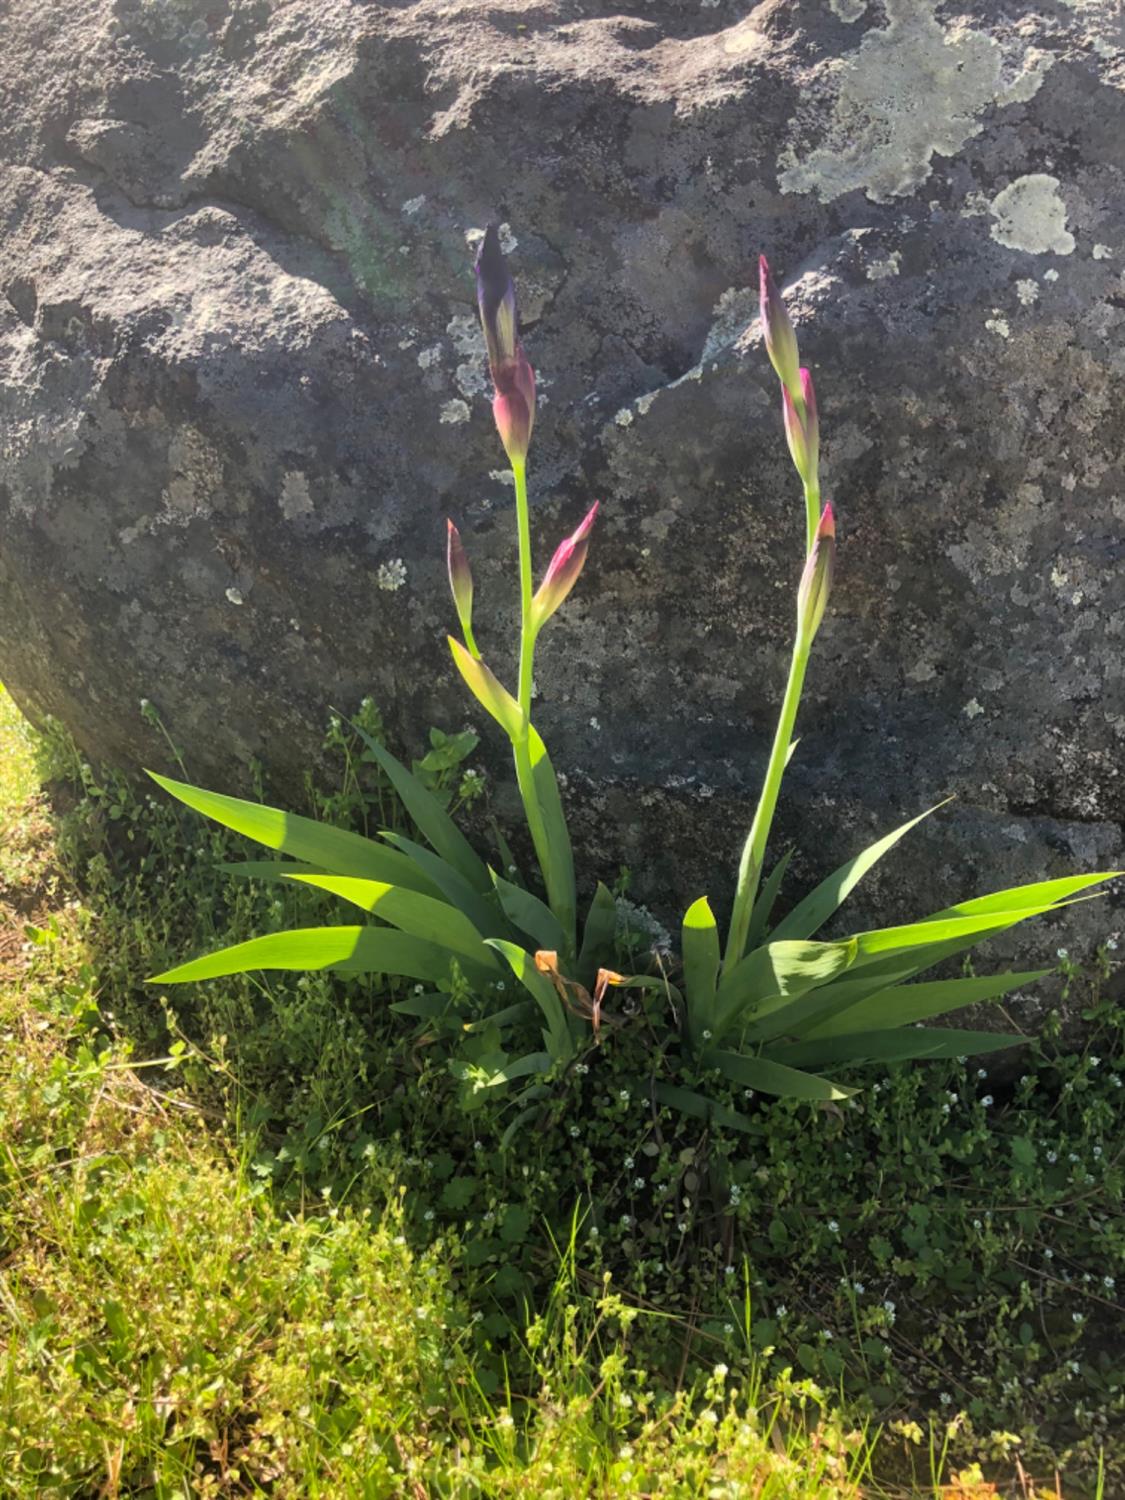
(625, 1221)
(1076, 1317)
(593, 1231)
(582, 1067)
(987, 1101)
(1111, 944)
(728, 1270)
(1052, 1157)
(977, 1224)
(782, 1310)
(624, 1095)
(748, 1093)
(1062, 953)
(945, 1398)
(859, 1288)
(1094, 1061)
(1072, 1156)
(1097, 1150)
(707, 1035)
(721, 1372)
(833, 1227)
(682, 1226)
(499, 984)
(982, 1072)
(1109, 1283)
(428, 1215)
(728, 1328)
(638, 1184)
(1048, 1253)
(574, 1130)
(628, 1164)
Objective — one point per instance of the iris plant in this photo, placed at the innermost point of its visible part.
(766, 1011)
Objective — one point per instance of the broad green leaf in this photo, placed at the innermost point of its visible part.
(906, 1044)
(1040, 895)
(542, 991)
(530, 915)
(763, 906)
(902, 1005)
(775, 973)
(335, 849)
(809, 915)
(435, 824)
(483, 911)
(345, 950)
(699, 1107)
(489, 693)
(769, 1077)
(702, 957)
(436, 921)
(559, 874)
(598, 933)
(885, 942)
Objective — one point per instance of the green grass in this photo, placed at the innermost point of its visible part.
(266, 1244)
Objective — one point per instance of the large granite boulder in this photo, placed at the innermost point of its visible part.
(242, 383)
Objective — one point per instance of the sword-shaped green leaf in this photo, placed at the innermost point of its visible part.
(436, 921)
(699, 1107)
(435, 824)
(559, 874)
(905, 1044)
(483, 911)
(769, 1077)
(809, 915)
(335, 849)
(598, 933)
(539, 987)
(345, 950)
(702, 956)
(1041, 895)
(775, 974)
(530, 915)
(903, 1004)
(763, 906)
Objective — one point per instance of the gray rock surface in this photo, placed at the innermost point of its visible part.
(241, 384)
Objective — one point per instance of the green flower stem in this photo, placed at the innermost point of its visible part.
(753, 854)
(812, 512)
(521, 748)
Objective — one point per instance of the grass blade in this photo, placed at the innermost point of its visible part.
(345, 950)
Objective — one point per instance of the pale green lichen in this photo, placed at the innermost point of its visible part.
(1030, 215)
(912, 89)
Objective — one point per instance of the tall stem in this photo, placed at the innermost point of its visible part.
(524, 774)
(754, 851)
(812, 512)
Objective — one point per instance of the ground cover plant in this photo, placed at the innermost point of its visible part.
(973, 1217)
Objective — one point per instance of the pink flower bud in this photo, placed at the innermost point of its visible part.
(460, 581)
(513, 407)
(816, 580)
(802, 428)
(563, 572)
(777, 330)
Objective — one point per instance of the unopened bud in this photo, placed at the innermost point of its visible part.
(460, 583)
(562, 575)
(802, 428)
(777, 330)
(513, 407)
(514, 403)
(816, 580)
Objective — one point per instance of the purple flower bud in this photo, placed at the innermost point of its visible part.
(496, 297)
(513, 407)
(777, 330)
(816, 580)
(562, 574)
(514, 403)
(802, 428)
(460, 582)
